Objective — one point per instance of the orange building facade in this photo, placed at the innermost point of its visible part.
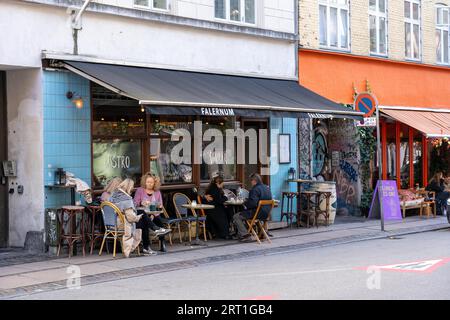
(408, 94)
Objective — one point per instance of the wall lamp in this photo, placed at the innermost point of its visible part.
(77, 100)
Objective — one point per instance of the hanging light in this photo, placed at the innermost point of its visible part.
(76, 99)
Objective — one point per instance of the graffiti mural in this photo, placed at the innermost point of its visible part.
(304, 147)
(344, 148)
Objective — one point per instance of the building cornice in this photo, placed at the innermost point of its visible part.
(170, 19)
(374, 58)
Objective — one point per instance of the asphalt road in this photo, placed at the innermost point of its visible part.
(337, 272)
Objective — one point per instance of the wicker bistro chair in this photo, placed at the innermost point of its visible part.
(113, 231)
(171, 223)
(180, 199)
(254, 222)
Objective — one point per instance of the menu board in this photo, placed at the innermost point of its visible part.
(386, 201)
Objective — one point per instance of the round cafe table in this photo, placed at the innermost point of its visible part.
(197, 241)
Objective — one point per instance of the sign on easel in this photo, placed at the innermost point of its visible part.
(385, 201)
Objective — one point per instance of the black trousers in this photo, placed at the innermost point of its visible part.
(145, 224)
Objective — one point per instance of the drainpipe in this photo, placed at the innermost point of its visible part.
(76, 23)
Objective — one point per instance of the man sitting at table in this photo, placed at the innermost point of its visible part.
(258, 192)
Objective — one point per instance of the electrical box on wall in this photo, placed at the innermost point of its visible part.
(9, 168)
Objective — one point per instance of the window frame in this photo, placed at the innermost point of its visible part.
(339, 7)
(441, 30)
(242, 12)
(378, 15)
(413, 22)
(152, 7)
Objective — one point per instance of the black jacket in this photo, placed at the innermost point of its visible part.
(258, 192)
(436, 187)
(218, 196)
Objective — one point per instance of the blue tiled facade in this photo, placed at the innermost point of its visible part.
(278, 178)
(67, 136)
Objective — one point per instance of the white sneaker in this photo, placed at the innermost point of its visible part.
(162, 231)
(148, 252)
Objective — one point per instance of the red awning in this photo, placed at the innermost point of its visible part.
(432, 124)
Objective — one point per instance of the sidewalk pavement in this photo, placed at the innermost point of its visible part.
(22, 273)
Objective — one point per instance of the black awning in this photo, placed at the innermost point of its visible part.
(188, 92)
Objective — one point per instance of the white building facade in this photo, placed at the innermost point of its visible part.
(244, 37)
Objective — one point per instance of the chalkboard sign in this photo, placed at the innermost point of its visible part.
(386, 201)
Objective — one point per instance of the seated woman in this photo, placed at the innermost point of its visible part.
(149, 193)
(217, 219)
(135, 225)
(437, 185)
(110, 188)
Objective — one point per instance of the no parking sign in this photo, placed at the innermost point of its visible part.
(365, 103)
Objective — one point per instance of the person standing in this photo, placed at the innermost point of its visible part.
(258, 192)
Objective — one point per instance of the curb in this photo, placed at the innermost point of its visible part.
(173, 266)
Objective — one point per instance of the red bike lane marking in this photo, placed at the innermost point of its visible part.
(421, 266)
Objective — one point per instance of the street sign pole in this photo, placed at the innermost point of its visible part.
(380, 171)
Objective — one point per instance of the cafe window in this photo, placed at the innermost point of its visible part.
(118, 121)
(404, 157)
(116, 158)
(217, 158)
(162, 149)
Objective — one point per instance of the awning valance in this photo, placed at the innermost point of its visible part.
(188, 92)
(432, 124)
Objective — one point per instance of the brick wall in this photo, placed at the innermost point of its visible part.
(359, 27)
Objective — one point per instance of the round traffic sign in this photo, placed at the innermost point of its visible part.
(366, 103)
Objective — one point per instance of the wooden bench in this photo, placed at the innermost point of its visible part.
(411, 199)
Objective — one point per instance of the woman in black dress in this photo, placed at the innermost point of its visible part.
(217, 218)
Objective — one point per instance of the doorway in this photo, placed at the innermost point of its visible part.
(3, 156)
(248, 168)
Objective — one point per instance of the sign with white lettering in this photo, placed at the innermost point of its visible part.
(367, 122)
(386, 201)
(217, 112)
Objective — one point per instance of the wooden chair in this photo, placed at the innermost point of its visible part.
(287, 197)
(260, 224)
(429, 201)
(310, 211)
(203, 214)
(113, 231)
(169, 223)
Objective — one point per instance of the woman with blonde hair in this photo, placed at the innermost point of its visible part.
(136, 225)
(147, 194)
(112, 185)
